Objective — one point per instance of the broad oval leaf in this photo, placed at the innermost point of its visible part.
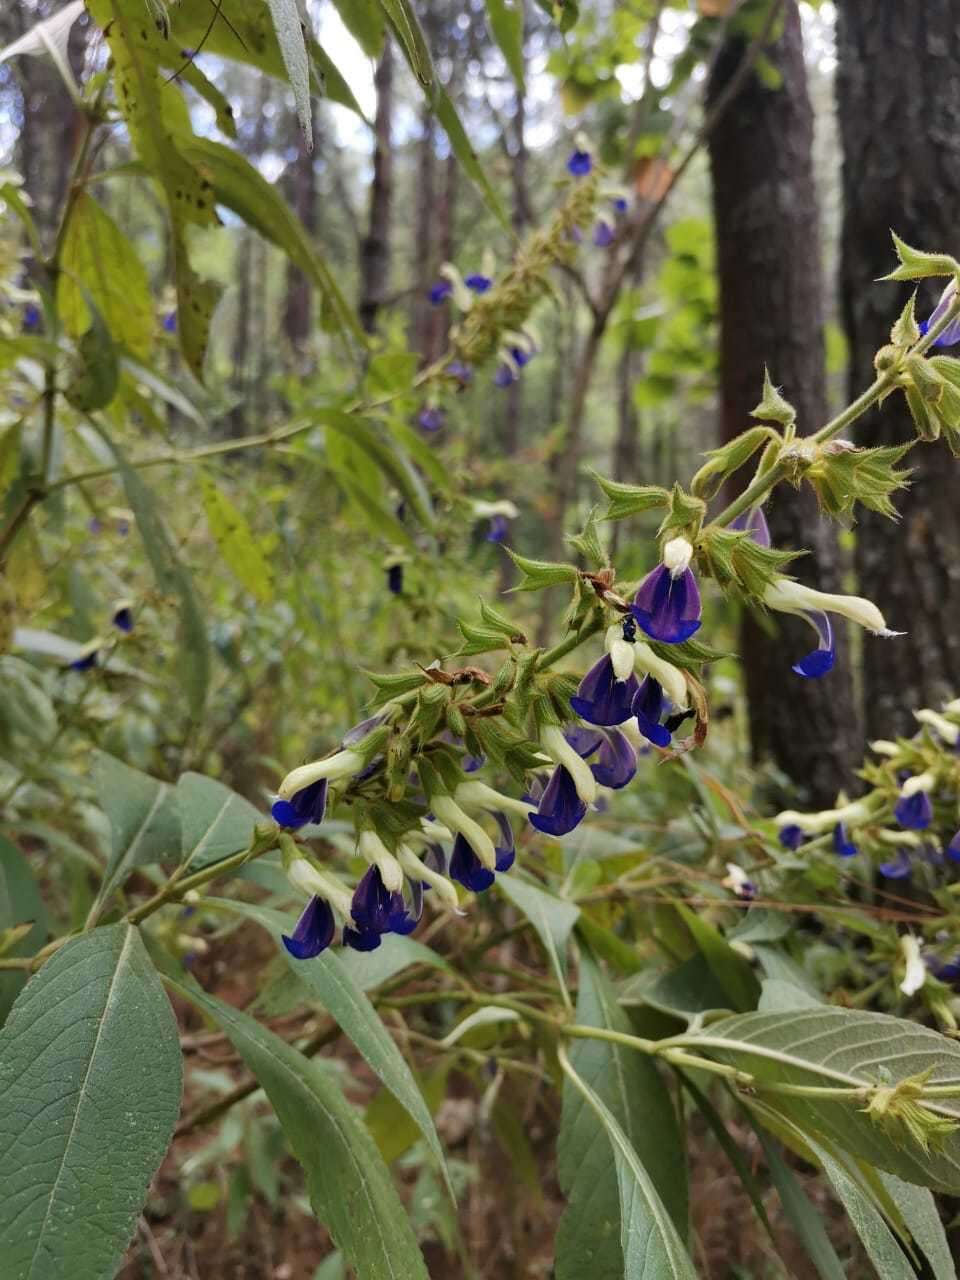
(630, 1086)
(90, 1082)
(214, 821)
(348, 1182)
(827, 1046)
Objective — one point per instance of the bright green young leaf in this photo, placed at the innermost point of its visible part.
(20, 903)
(293, 50)
(348, 1182)
(99, 259)
(144, 822)
(649, 1240)
(738, 980)
(833, 1047)
(90, 1082)
(214, 821)
(233, 535)
(630, 1086)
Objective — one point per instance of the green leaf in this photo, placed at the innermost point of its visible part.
(804, 1218)
(293, 50)
(214, 821)
(738, 980)
(649, 1240)
(552, 917)
(100, 262)
(831, 1047)
(331, 982)
(541, 573)
(97, 371)
(402, 18)
(144, 822)
(630, 1086)
(348, 1182)
(90, 1082)
(382, 450)
(462, 147)
(631, 499)
(20, 903)
(773, 407)
(915, 264)
(364, 20)
(918, 1210)
(242, 188)
(370, 969)
(233, 536)
(506, 23)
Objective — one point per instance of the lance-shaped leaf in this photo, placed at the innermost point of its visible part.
(849, 1049)
(241, 551)
(631, 1089)
(20, 905)
(552, 917)
(90, 1081)
(349, 1184)
(649, 1240)
(293, 50)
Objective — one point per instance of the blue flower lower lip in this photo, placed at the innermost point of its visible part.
(617, 762)
(467, 868)
(603, 699)
(313, 932)
(914, 813)
(818, 662)
(843, 846)
(648, 709)
(561, 808)
(792, 836)
(897, 868)
(308, 805)
(667, 607)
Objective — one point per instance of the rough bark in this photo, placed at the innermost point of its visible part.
(375, 247)
(771, 312)
(901, 169)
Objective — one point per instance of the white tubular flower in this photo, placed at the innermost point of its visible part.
(452, 816)
(883, 747)
(794, 597)
(953, 708)
(620, 651)
(897, 839)
(435, 830)
(916, 971)
(342, 764)
(305, 877)
(418, 870)
(677, 554)
(504, 507)
(813, 824)
(947, 730)
(371, 847)
(560, 751)
(738, 882)
(461, 294)
(665, 673)
(477, 795)
(919, 782)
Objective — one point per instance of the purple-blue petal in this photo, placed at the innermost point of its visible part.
(953, 848)
(843, 846)
(648, 708)
(313, 932)
(915, 813)
(791, 836)
(579, 163)
(499, 528)
(560, 808)
(360, 939)
(478, 283)
(439, 292)
(603, 699)
(666, 607)
(820, 660)
(754, 522)
(617, 762)
(467, 869)
(897, 868)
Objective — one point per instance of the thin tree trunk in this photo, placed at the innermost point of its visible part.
(298, 308)
(375, 248)
(424, 264)
(771, 312)
(901, 169)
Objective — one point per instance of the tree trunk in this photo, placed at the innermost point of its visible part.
(375, 248)
(771, 312)
(901, 169)
(302, 183)
(424, 264)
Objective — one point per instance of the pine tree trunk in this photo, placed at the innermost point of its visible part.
(771, 312)
(375, 248)
(898, 95)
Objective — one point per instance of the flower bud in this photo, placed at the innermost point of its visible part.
(342, 764)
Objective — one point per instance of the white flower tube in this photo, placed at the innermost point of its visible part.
(883, 747)
(418, 870)
(813, 824)
(620, 651)
(793, 597)
(502, 507)
(919, 782)
(452, 816)
(477, 795)
(435, 830)
(371, 847)
(303, 875)
(916, 971)
(665, 673)
(560, 751)
(677, 554)
(342, 764)
(947, 730)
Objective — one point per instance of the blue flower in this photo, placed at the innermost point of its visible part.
(430, 418)
(522, 356)
(616, 764)
(620, 204)
(440, 292)
(953, 848)
(376, 911)
(123, 618)
(915, 812)
(85, 661)
(31, 318)
(667, 605)
(579, 163)
(395, 579)
(169, 322)
(792, 836)
(753, 522)
(359, 731)
(603, 699)
(648, 708)
(820, 660)
(951, 334)
(462, 372)
(466, 867)
(603, 234)
(560, 808)
(504, 376)
(898, 868)
(478, 283)
(843, 846)
(499, 528)
(308, 805)
(313, 932)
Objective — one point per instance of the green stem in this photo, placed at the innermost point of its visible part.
(175, 888)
